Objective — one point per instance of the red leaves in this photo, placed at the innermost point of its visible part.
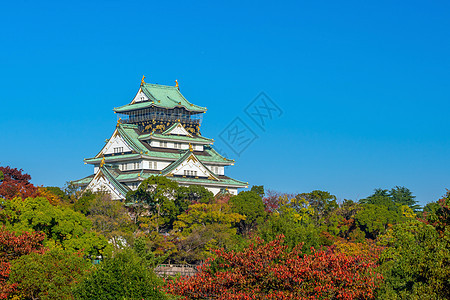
(270, 271)
(16, 184)
(12, 247)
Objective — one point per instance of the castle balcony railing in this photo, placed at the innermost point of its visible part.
(189, 119)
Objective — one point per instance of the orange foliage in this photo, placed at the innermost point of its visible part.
(52, 198)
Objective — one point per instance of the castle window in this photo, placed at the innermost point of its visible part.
(118, 150)
(153, 165)
(137, 165)
(163, 144)
(124, 167)
(177, 145)
(190, 173)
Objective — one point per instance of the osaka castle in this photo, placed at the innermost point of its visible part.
(158, 133)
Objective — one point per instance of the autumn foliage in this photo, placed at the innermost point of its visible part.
(270, 271)
(16, 184)
(11, 248)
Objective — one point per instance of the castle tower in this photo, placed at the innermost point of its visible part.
(158, 133)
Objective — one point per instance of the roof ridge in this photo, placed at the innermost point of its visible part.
(113, 180)
(160, 85)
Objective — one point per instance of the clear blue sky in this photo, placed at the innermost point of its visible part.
(364, 86)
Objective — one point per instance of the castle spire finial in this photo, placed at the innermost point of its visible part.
(190, 147)
(142, 80)
(176, 84)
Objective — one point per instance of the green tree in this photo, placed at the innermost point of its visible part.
(403, 196)
(62, 225)
(194, 193)
(392, 199)
(379, 197)
(51, 275)
(293, 220)
(374, 219)
(383, 209)
(83, 203)
(126, 276)
(322, 202)
(416, 262)
(250, 205)
(111, 219)
(259, 189)
(202, 228)
(157, 197)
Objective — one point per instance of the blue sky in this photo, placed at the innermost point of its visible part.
(363, 86)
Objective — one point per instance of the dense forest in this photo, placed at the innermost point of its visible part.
(64, 244)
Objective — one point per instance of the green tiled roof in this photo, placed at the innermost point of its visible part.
(130, 134)
(83, 181)
(171, 127)
(109, 175)
(175, 164)
(215, 155)
(161, 96)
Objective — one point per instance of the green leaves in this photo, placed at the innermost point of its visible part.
(250, 205)
(204, 227)
(416, 262)
(126, 276)
(51, 275)
(63, 227)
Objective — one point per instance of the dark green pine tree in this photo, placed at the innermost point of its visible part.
(403, 196)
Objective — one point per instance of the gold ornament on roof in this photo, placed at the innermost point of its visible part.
(190, 147)
(102, 162)
(176, 84)
(142, 80)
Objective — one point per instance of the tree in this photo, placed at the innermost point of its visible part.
(83, 204)
(62, 226)
(374, 220)
(403, 196)
(52, 198)
(158, 196)
(51, 275)
(383, 209)
(439, 214)
(194, 194)
(111, 219)
(250, 205)
(126, 276)
(271, 271)
(16, 184)
(259, 189)
(61, 194)
(202, 228)
(392, 199)
(322, 202)
(13, 246)
(416, 262)
(272, 201)
(293, 220)
(379, 197)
